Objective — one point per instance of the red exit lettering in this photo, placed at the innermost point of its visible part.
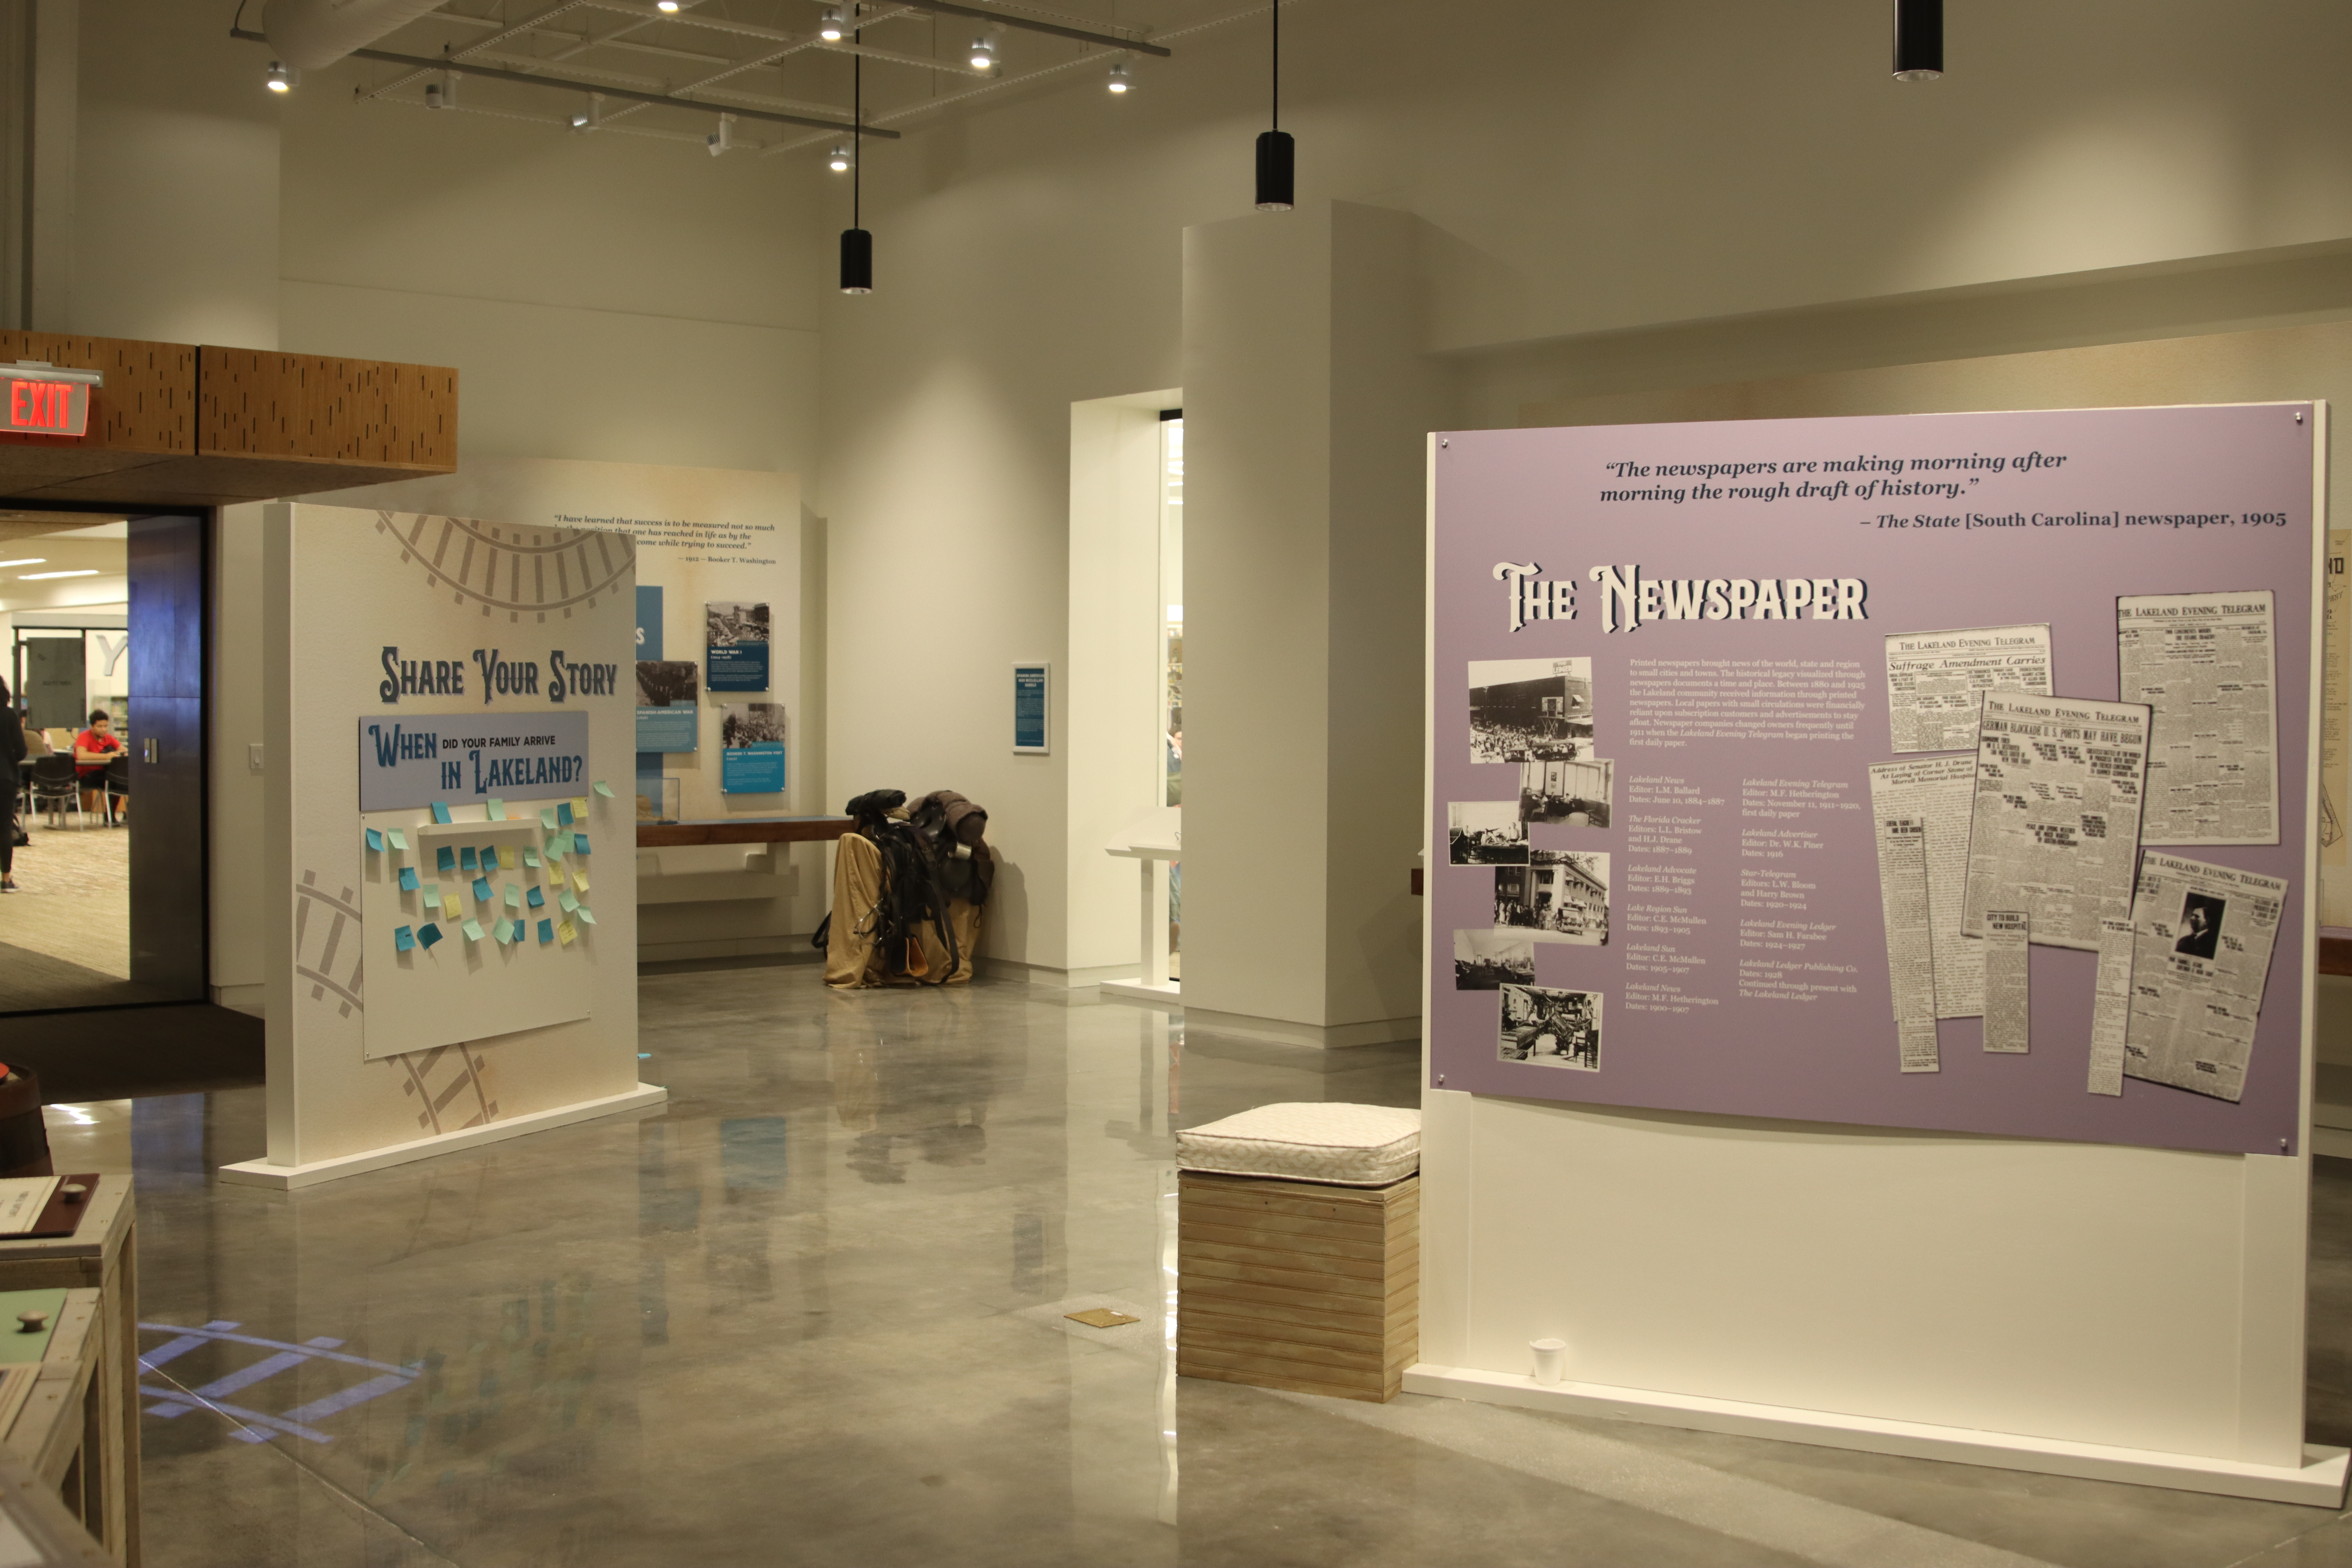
(40, 406)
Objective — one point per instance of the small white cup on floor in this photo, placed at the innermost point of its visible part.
(1551, 1360)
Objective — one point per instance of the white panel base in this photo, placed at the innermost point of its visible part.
(2334, 1141)
(1142, 990)
(2319, 1482)
(287, 1178)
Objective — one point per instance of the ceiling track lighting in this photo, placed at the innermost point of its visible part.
(587, 118)
(829, 24)
(1919, 41)
(1120, 79)
(1277, 160)
(723, 139)
(983, 53)
(667, 7)
(441, 94)
(839, 160)
(281, 77)
(856, 245)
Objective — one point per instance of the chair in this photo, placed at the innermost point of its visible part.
(57, 785)
(118, 782)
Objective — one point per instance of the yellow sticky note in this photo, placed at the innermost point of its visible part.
(506, 857)
(579, 880)
(564, 933)
(579, 807)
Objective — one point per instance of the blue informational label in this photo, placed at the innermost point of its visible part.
(668, 728)
(1029, 707)
(436, 759)
(737, 637)
(751, 770)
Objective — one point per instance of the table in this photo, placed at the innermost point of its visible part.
(1155, 841)
(102, 1456)
(744, 830)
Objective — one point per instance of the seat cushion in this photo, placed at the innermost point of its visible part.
(1347, 1145)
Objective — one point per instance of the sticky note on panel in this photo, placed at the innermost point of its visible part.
(580, 878)
(466, 859)
(603, 789)
(398, 839)
(441, 811)
(402, 939)
(504, 932)
(585, 913)
(531, 858)
(444, 858)
(546, 933)
(473, 931)
(579, 807)
(429, 933)
(537, 899)
(482, 889)
(566, 932)
(514, 897)
(563, 843)
(564, 814)
(496, 810)
(567, 901)
(506, 857)
(580, 844)
(547, 817)
(374, 841)
(408, 878)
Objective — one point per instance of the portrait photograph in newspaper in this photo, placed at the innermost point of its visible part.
(2206, 664)
(1935, 681)
(2201, 941)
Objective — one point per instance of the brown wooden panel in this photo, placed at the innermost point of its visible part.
(254, 403)
(1373, 1216)
(1354, 1358)
(2336, 955)
(1246, 1303)
(752, 830)
(1372, 1269)
(206, 481)
(148, 403)
(1312, 1279)
(1199, 1318)
(1192, 1359)
(1371, 1250)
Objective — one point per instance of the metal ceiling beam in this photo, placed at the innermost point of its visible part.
(533, 78)
(1107, 40)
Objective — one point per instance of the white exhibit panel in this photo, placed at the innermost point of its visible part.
(1875, 1008)
(455, 701)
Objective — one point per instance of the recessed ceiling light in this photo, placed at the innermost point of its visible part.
(44, 576)
(28, 561)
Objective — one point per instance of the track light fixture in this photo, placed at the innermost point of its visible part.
(1120, 81)
(1919, 41)
(281, 77)
(441, 94)
(667, 7)
(839, 161)
(829, 24)
(983, 54)
(856, 245)
(1277, 157)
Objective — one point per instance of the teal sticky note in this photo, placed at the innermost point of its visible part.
(546, 933)
(531, 857)
(580, 844)
(567, 901)
(429, 933)
(473, 933)
(603, 789)
(408, 878)
(441, 811)
(564, 814)
(514, 897)
(402, 939)
(481, 889)
(585, 913)
(376, 841)
(537, 899)
(399, 840)
(547, 817)
(466, 859)
(444, 858)
(497, 809)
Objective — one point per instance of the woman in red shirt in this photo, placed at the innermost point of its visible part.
(93, 749)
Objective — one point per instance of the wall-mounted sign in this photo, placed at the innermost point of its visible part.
(738, 634)
(751, 754)
(417, 758)
(43, 400)
(1031, 685)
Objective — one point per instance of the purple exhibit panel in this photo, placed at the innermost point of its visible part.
(1660, 680)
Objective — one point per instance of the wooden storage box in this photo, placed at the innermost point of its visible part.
(1299, 1284)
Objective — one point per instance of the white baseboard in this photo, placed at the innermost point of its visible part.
(2331, 1141)
(239, 998)
(2318, 1482)
(1135, 988)
(1324, 1036)
(791, 949)
(1040, 974)
(288, 1178)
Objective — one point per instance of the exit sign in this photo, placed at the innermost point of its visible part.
(44, 400)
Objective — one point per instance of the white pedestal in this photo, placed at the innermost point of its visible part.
(1153, 985)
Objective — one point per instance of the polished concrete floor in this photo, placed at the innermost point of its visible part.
(812, 1314)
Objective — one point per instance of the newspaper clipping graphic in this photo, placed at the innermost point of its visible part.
(1935, 681)
(1910, 955)
(2006, 1003)
(1940, 793)
(2056, 823)
(2205, 663)
(2201, 940)
(2111, 1007)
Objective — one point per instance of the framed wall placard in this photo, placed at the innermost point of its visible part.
(1032, 707)
(737, 636)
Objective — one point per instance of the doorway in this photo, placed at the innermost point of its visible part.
(101, 616)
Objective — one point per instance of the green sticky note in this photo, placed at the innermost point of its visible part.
(402, 939)
(497, 809)
(503, 932)
(429, 933)
(441, 811)
(567, 901)
(561, 844)
(531, 858)
(376, 841)
(481, 889)
(547, 817)
(399, 840)
(514, 897)
(585, 913)
(473, 933)
(408, 878)
(546, 933)
(603, 789)
(537, 899)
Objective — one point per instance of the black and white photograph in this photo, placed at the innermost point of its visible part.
(1489, 959)
(666, 682)
(728, 624)
(1530, 709)
(1560, 894)
(1575, 793)
(1549, 1028)
(2201, 925)
(1485, 833)
(751, 724)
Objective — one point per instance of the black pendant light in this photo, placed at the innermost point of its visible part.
(856, 245)
(1919, 41)
(1278, 155)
